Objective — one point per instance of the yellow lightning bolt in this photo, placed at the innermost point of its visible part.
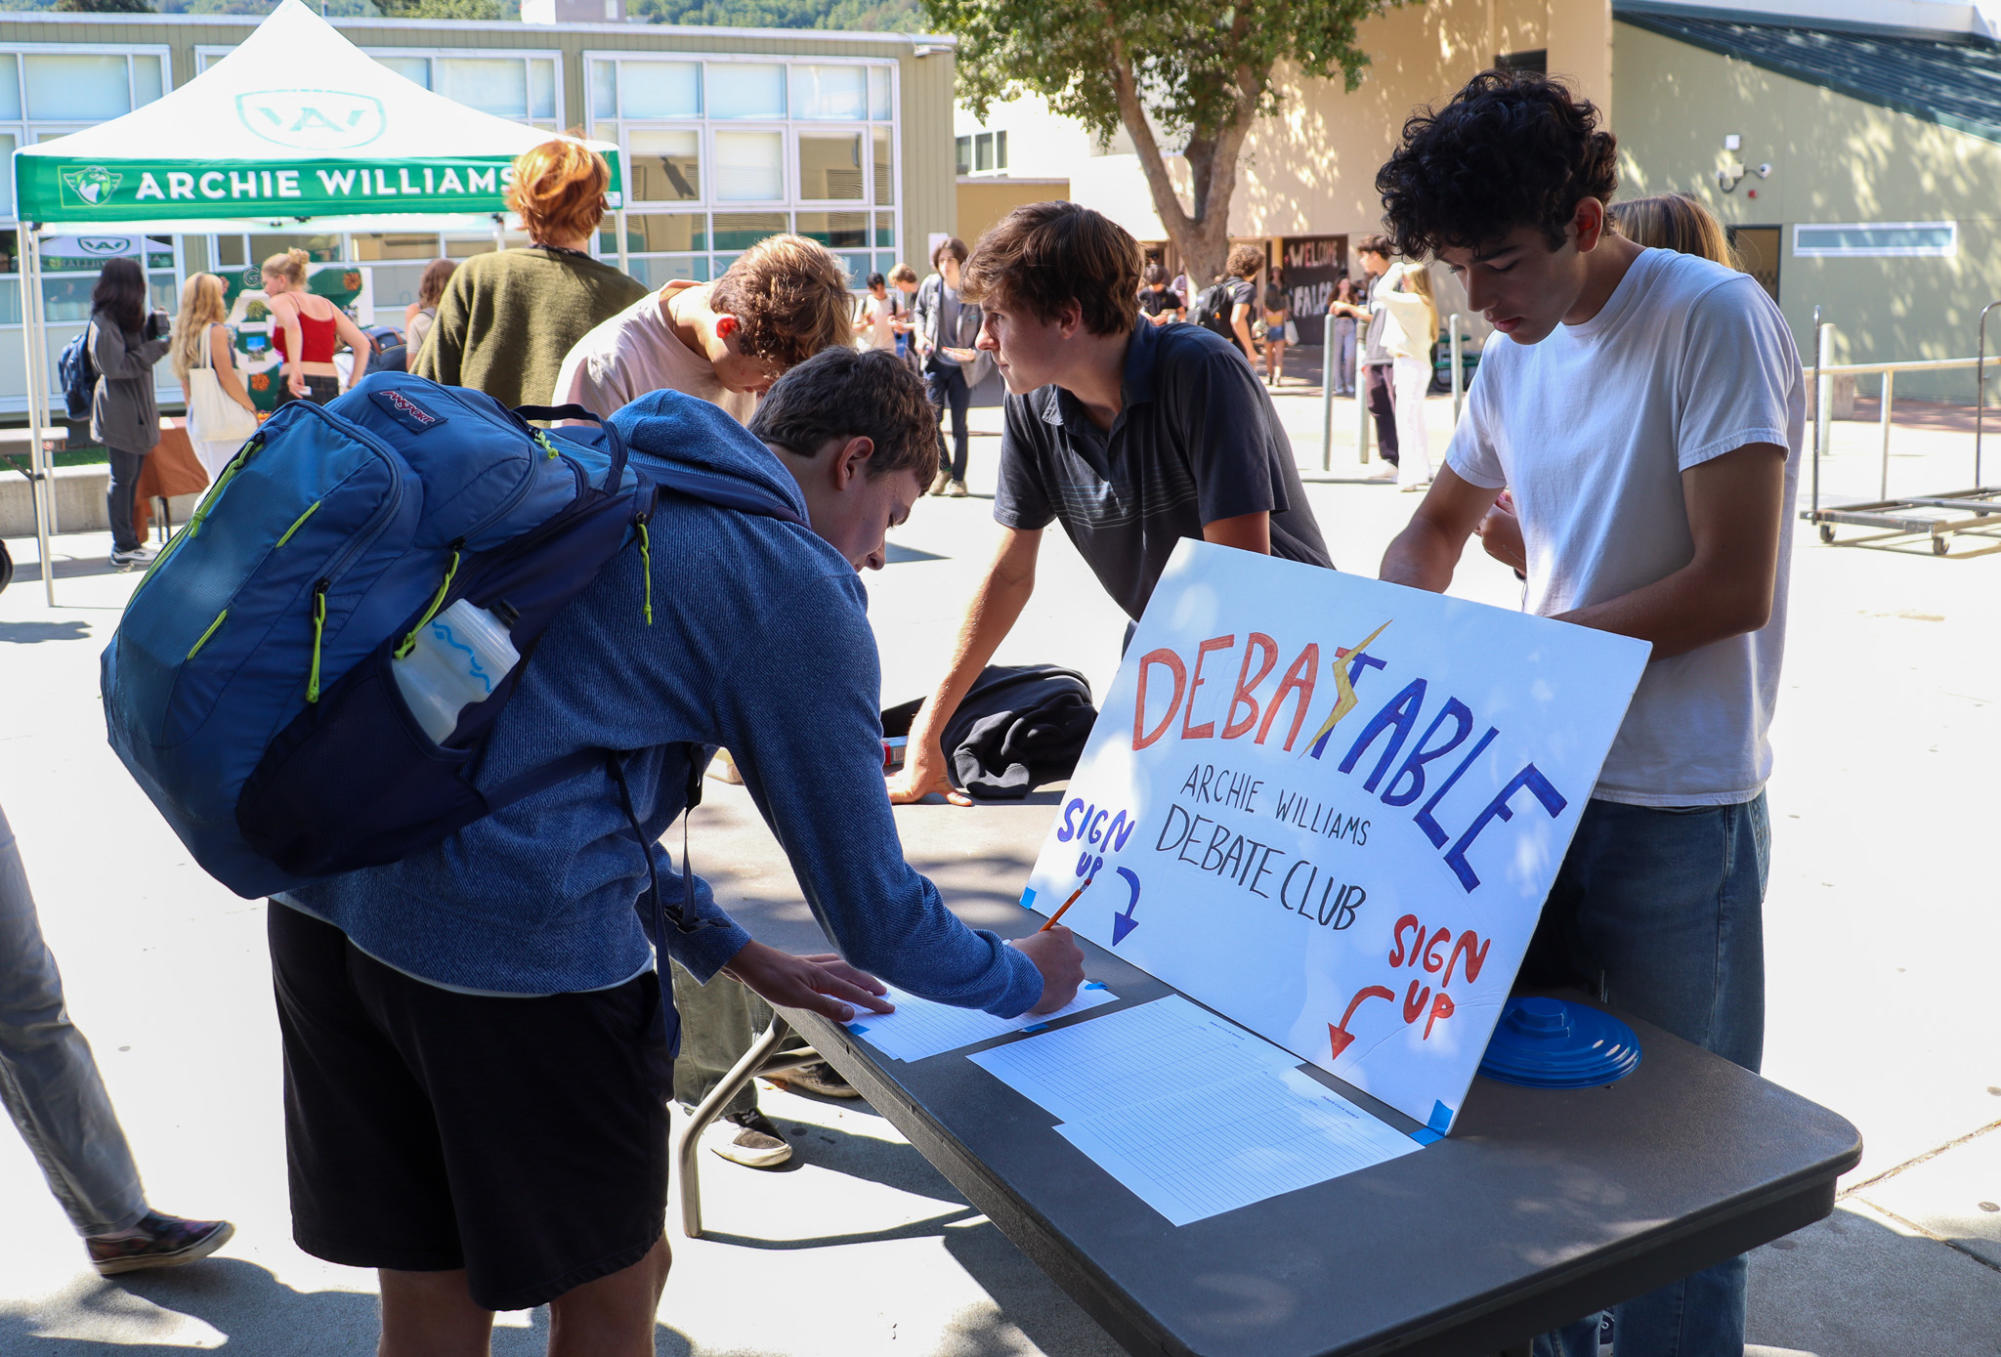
(1344, 685)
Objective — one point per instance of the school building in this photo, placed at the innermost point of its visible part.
(1852, 146)
(729, 134)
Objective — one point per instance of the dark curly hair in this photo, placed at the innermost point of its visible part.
(1511, 149)
(841, 392)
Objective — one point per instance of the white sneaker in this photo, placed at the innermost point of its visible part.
(749, 1139)
(137, 556)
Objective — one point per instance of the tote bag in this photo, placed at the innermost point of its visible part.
(215, 417)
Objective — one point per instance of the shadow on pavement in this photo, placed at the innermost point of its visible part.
(901, 555)
(32, 633)
(250, 1308)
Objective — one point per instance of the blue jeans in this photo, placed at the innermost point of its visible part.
(47, 1076)
(1660, 914)
(1343, 330)
(945, 387)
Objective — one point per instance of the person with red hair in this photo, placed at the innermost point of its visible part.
(507, 319)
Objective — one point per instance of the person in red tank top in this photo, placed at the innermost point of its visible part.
(305, 330)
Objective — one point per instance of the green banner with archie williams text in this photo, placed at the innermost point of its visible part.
(56, 189)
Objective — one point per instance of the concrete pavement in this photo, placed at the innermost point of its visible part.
(1881, 935)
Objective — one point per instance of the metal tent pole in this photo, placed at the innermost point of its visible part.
(35, 354)
(1361, 404)
(1328, 362)
(1458, 370)
(1980, 391)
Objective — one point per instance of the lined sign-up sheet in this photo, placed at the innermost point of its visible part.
(1190, 1112)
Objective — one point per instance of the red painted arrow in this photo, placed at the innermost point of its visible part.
(1339, 1036)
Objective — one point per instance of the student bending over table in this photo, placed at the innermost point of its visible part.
(1646, 408)
(476, 1079)
(1131, 436)
(781, 302)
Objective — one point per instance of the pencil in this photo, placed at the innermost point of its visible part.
(1066, 904)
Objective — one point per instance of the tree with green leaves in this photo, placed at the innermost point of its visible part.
(1154, 65)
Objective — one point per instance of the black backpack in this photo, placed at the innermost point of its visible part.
(78, 375)
(1213, 308)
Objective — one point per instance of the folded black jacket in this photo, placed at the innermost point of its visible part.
(1018, 727)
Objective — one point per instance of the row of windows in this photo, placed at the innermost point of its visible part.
(77, 87)
(1894, 239)
(755, 164)
(727, 90)
(982, 152)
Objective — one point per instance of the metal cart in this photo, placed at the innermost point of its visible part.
(1941, 516)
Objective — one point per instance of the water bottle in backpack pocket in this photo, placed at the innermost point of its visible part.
(457, 661)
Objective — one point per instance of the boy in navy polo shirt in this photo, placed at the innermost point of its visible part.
(1131, 436)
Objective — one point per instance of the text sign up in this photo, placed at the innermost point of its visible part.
(1330, 808)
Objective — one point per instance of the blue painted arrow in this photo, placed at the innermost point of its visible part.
(1122, 924)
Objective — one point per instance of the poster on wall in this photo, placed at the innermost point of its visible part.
(1311, 266)
(1330, 809)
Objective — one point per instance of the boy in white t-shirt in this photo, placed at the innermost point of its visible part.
(782, 301)
(1647, 409)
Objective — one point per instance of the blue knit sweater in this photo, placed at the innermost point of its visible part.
(760, 643)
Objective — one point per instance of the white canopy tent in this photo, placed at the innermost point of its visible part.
(254, 144)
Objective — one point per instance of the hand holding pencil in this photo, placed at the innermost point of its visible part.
(1054, 950)
(1066, 904)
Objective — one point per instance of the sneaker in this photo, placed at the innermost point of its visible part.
(938, 486)
(748, 1138)
(1415, 487)
(818, 1077)
(136, 556)
(723, 769)
(157, 1241)
(957, 490)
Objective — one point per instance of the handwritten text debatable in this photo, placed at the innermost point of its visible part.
(1254, 711)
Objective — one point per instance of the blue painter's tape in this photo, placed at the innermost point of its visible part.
(1441, 1118)
(1028, 898)
(1426, 1137)
(857, 1028)
(1094, 984)
(1039, 1027)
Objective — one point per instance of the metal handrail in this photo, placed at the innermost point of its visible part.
(1914, 365)
(1980, 389)
(1821, 400)
(1822, 374)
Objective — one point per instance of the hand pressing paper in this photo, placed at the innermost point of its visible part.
(920, 1028)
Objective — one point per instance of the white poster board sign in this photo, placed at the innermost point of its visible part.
(1330, 808)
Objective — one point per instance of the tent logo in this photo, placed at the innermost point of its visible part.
(313, 120)
(105, 245)
(88, 186)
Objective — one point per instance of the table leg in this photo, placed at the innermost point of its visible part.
(759, 1059)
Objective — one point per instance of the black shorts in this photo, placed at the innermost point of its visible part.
(524, 1140)
(319, 389)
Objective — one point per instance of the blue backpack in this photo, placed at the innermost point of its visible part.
(248, 688)
(77, 372)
